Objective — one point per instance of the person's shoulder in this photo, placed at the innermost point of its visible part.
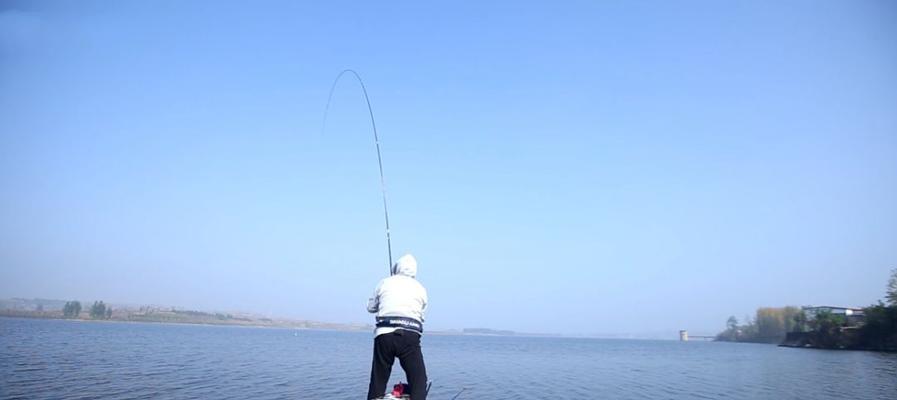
(383, 282)
(390, 280)
(421, 285)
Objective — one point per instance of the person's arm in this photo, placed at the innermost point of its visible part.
(424, 301)
(374, 302)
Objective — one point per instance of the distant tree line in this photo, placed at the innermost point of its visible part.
(769, 325)
(878, 330)
(99, 310)
(71, 309)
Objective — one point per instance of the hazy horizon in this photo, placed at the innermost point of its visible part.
(571, 168)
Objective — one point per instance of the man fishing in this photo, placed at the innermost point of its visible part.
(399, 302)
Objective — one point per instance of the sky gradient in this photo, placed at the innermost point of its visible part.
(576, 167)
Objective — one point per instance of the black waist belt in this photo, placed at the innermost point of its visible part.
(400, 322)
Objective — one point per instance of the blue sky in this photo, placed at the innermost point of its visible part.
(575, 167)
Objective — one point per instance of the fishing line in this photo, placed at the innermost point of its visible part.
(376, 142)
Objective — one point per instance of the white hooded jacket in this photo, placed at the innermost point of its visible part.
(400, 295)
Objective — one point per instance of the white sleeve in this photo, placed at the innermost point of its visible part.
(374, 302)
(424, 301)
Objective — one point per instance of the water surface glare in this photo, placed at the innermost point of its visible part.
(56, 359)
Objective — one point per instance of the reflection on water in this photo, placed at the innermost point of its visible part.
(68, 359)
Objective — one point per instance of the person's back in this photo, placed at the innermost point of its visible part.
(399, 302)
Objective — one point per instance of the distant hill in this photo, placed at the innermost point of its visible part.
(487, 331)
(53, 309)
(20, 304)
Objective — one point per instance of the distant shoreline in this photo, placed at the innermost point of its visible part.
(189, 317)
(453, 332)
(6, 314)
(56, 310)
(119, 321)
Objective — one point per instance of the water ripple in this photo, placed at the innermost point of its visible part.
(42, 359)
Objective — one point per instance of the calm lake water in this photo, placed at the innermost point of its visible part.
(52, 359)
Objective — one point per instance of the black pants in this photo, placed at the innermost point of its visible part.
(406, 346)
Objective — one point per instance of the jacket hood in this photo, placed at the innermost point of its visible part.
(405, 265)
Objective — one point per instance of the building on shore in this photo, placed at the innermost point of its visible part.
(852, 315)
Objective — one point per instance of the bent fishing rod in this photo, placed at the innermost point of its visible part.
(376, 142)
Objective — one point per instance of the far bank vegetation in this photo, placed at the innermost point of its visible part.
(870, 328)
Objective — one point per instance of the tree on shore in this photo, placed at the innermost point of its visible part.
(826, 329)
(732, 323)
(801, 322)
(891, 294)
(98, 310)
(71, 309)
(770, 325)
(731, 332)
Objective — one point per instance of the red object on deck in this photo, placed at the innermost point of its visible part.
(398, 390)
